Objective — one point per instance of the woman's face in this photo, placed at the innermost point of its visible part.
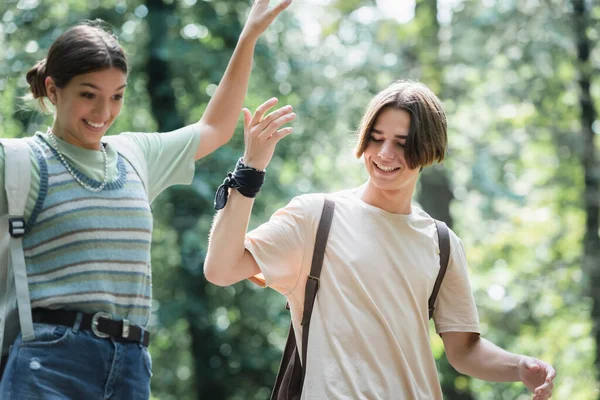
(87, 106)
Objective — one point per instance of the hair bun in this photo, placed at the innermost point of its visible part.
(36, 77)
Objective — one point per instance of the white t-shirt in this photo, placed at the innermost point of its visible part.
(369, 332)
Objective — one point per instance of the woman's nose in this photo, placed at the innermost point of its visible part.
(102, 109)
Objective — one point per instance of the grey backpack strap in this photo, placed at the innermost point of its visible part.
(444, 243)
(17, 183)
(312, 284)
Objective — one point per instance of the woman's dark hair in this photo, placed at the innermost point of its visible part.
(84, 48)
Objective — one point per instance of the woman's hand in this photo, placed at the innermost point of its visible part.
(261, 16)
(261, 135)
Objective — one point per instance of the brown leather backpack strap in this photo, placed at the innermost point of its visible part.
(287, 361)
(312, 284)
(444, 243)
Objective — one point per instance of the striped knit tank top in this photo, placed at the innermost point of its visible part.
(89, 251)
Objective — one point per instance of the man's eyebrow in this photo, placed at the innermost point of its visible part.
(377, 131)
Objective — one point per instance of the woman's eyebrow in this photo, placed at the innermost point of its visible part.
(97, 88)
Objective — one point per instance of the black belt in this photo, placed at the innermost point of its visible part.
(3, 361)
(100, 324)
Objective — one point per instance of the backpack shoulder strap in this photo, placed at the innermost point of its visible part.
(128, 149)
(312, 284)
(444, 243)
(17, 183)
(17, 175)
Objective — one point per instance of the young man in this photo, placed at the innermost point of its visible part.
(369, 336)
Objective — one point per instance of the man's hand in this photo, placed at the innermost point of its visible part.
(537, 376)
(261, 135)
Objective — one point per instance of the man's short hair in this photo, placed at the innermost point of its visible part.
(427, 139)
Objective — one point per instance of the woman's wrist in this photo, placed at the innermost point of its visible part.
(248, 36)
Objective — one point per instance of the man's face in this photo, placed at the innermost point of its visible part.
(384, 154)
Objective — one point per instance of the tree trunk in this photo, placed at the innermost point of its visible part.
(591, 245)
(163, 104)
(162, 97)
(436, 195)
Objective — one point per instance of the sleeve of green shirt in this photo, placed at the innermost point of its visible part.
(33, 191)
(170, 156)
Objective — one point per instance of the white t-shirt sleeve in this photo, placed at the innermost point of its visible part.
(170, 156)
(278, 246)
(455, 309)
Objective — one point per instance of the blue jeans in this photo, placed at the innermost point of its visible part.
(68, 363)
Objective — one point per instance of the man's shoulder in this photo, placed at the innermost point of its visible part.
(309, 203)
(421, 219)
(315, 201)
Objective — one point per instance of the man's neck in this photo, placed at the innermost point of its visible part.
(393, 201)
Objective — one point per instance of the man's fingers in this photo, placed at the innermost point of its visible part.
(277, 123)
(551, 374)
(547, 386)
(261, 110)
(247, 118)
(280, 134)
(273, 116)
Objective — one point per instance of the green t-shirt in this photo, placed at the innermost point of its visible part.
(170, 157)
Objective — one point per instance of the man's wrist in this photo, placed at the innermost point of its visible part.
(249, 163)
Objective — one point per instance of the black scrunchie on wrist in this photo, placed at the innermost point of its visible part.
(244, 179)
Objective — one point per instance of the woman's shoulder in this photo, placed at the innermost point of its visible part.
(19, 144)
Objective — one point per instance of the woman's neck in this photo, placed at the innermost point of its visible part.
(65, 136)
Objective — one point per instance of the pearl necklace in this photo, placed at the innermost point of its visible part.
(70, 169)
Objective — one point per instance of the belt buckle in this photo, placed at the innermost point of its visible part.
(95, 318)
(125, 333)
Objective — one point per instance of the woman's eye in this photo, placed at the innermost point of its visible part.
(400, 144)
(87, 95)
(376, 140)
(118, 97)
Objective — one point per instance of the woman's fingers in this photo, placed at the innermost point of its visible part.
(261, 16)
(275, 11)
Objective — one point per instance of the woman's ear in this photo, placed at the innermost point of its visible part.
(50, 89)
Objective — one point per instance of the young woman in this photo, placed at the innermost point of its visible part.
(369, 335)
(88, 219)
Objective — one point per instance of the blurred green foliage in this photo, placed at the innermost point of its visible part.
(506, 71)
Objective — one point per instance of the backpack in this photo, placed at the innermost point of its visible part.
(290, 378)
(15, 305)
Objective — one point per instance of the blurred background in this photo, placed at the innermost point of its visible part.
(521, 184)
